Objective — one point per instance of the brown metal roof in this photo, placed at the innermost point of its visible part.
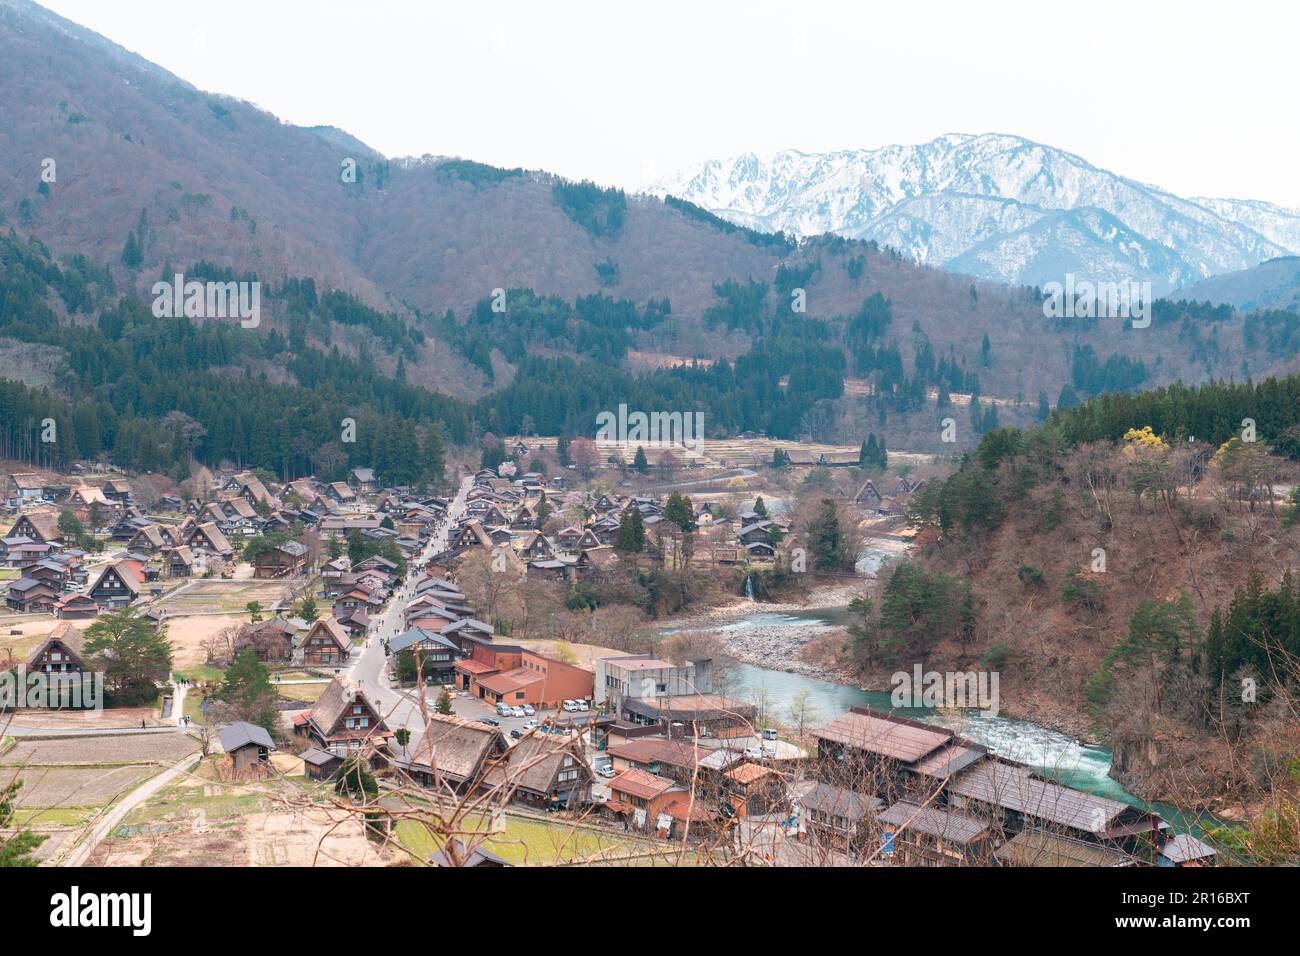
(838, 801)
(888, 736)
(1015, 787)
(1039, 848)
(948, 825)
(948, 760)
(640, 783)
(676, 753)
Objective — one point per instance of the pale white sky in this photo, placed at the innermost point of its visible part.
(1198, 98)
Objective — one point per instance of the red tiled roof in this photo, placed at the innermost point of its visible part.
(476, 667)
(640, 783)
(509, 681)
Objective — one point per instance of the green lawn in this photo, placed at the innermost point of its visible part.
(193, 701)
(307, 693)
(200, 672)
(53, 816)
(536, 842)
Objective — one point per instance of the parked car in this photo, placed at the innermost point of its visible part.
(518, 712)
(528, 710)
(503, 710)
(755, 753)
(606, 770)
(531, 724)
(490, 720)
(516, 733)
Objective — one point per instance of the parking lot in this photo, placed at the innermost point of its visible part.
(472, 708)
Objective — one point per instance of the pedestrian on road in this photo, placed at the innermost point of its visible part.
(142, 723)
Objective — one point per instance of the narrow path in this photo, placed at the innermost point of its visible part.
(77, 854)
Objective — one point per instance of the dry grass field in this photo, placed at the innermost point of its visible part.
(205, 822)
(68, 783)
(218, 596)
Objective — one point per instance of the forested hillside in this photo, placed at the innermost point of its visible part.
(530, 302)
(1133, 559)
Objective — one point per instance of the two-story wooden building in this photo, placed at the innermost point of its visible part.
(345, 723)
(61, 653)
(326, 644)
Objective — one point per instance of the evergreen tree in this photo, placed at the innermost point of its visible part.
(825, 537)
(17, 844)
(680, 512)
(246, 688)
(132, 257)
(133, 655)
(639, 461)
(631, 533)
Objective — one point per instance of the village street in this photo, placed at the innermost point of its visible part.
(397, 708)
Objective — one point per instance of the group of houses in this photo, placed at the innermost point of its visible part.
(201, 537)
(513, 516)
(919, 794)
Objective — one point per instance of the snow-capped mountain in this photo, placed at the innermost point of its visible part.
(994, 206)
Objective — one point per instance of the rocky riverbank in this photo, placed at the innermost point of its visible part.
(777, 636)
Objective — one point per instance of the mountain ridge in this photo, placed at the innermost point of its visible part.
(873, 194)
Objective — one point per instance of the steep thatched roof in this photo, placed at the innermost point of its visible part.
(67, 635)
(456, 748)
(533, 763)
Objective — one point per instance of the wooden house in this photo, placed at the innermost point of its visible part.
(916, 835)
(453, 752)
(320, 764)
(178, 562)
(118, 585)
(271, 640)
(543, 772)
(326, 644)
(839, 818)
(61, 653)
(248, 746)
(76, 607)
(208, 541)
(41, 527)
(285, 560)
(344, 722)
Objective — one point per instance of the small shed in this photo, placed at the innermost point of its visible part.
(320, 764)
(248, 745)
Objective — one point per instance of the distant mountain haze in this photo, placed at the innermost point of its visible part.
(994, 206)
